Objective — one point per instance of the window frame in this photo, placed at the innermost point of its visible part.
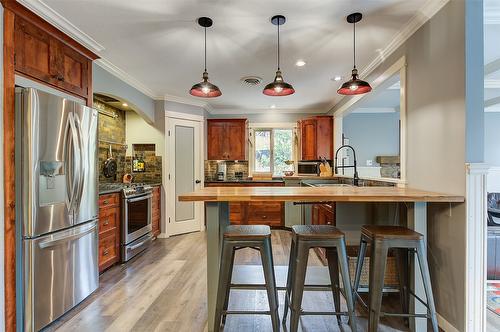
(270, 127)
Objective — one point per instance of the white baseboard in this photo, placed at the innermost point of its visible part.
(163, 236)
(445, 325)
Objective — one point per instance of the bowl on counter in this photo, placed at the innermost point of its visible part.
(289, 173)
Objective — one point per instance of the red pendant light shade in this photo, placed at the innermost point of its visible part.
(354, 86)
(205, 89)
(278, 87)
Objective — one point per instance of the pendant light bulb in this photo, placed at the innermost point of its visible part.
(278, 87)
(205, 89)
(354, 86)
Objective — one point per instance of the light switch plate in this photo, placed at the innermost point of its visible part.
(369, 162)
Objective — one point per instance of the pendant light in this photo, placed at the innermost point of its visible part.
(278, 87)
(354, 86)
(205, 89)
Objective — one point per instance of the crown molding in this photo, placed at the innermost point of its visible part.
(187, 101)
(225, 111)
(492, 15)
(428, 10)
(50, 15)
(373, 110)
(125, 77)
(492, 84)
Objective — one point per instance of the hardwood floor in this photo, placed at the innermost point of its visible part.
(164, 289)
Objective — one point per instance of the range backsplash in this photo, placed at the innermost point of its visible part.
(232, 167)
(113, 129)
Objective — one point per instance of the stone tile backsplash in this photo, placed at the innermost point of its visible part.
(232, 168)
(113, 129)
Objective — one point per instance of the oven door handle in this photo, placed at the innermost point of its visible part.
(131, 200)
(135, 246)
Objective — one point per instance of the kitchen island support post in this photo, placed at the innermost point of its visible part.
(217, 219)
(417, 221)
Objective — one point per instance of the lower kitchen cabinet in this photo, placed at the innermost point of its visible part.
(323, 214)
(156, 211)
(254, 213)
(109, 230)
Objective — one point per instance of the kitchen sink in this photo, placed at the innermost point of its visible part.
(332, 185)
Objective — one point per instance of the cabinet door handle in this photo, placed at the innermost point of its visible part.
(106, 223)
(106, 252)
(105, 202)
(264, 217)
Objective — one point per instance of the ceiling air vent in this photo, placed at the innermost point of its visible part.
(251, 80)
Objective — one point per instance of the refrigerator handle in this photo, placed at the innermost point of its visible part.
(75, 167)
(81, 166)
(67, 238)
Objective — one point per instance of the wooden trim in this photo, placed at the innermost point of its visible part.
(25, 13)
(9, 171)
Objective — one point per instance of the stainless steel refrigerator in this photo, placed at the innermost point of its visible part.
(56, 206)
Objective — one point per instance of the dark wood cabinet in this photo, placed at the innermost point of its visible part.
(41, 56)
(254, 213)
(316, 138)
(156, 211)
(323, 214)
(109, 230)
(226, 139)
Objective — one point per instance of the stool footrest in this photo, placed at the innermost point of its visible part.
(324, 313)
(389, 314)
(242, 312)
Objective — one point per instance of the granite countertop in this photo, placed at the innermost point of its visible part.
(119, 189)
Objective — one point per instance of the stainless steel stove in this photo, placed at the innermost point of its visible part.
(136, 219)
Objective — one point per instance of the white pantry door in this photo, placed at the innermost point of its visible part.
(184, 155)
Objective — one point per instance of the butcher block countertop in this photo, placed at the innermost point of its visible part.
(312, 194)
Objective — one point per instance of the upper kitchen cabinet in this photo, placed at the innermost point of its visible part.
(226, 139)
(316, 138)
(43, 56)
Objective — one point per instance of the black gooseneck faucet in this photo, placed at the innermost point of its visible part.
(355, 178)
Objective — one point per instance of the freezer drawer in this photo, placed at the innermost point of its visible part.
(60, 270)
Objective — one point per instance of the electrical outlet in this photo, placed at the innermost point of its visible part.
(369, 162)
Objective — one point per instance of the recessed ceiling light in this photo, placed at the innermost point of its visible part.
(273, 106)
(300, 63)
(337, 78)
(124, 104)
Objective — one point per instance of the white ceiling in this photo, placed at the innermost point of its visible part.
(158, 44)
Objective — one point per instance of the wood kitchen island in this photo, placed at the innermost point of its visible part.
(217, 215)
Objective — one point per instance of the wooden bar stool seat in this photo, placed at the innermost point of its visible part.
(306, 237)
(237, 237)
(403, 241)
(390, 232)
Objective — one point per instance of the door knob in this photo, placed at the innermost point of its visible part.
(197, 181)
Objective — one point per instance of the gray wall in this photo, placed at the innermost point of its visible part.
(371, 135)
(492, 139)
(106, 83)
(436, 145)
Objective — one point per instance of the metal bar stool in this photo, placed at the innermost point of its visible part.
(306, 237)
(238, 237)
(404, 240)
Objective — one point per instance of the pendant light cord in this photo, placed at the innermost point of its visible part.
(278, 44)
(205, 48)
(354, 47)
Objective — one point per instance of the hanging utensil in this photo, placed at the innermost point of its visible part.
(110, 165)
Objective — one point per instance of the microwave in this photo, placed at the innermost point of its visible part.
(308, 167)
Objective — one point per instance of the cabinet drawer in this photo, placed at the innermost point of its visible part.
(108, 219)
(265, 212)
(108, 252)
(109, 200)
